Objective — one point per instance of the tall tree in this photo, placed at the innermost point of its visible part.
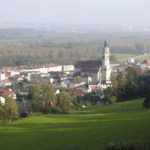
(11, 108)
(64, 102)
(34, 94)
(47, 92)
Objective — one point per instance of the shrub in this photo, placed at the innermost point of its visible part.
(140, 145)
(122, 147)
(3, 116)
(112, 99)
(146, 103)
(36, 107)
(56, 110)
(46, 109)
(64, 102)
(11, 108)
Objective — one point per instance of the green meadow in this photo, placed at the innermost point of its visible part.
(137, 57)
(124, 57)
(93, 128)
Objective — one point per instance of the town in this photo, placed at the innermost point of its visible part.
(85, 77)
(74, 75)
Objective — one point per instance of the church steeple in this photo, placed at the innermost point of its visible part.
(105, 43)
(106, 54)
(106, 71)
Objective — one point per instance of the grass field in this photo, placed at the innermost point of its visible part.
(138, 57)
(91, 129)
(124, 57)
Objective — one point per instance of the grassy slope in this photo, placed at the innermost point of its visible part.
(91, 129)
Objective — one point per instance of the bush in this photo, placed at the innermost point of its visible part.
(123, 147)
(112, 99)
(3, 116)
(46, 109)
(11, 108)
(64, 102)
(35, 107)
(141, 145)
(56, 110)
(146, 103)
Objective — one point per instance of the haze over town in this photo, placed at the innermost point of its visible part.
(93, 13)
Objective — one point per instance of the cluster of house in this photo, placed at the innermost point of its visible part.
(137, 66)
(83, 77)
(6, 93)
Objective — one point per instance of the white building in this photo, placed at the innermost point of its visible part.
(14, 73)
(130, 61)
(106, 70)
(2, 76)
(2, 100)
(146, 64)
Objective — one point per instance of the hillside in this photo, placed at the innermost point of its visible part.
(91, 129)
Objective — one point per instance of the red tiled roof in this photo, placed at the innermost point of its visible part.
(96, 88)
(6, 92)
(48, 65)
(147, 61)
(89, 66)
(75, 92)
(16, 76)
(7, 74)
(9, 68)
(114, 68)
(6, 81)
(53, 104)
(21, 67)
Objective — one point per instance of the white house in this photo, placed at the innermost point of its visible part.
(146, 64)
(2, 100)
(2, 76)
(5, 82)
(13, 73)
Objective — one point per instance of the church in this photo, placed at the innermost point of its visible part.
(95, 71)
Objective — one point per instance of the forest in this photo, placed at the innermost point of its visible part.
(30, 47)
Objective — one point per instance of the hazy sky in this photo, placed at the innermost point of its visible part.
(117, 12)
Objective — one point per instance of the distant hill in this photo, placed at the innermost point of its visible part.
(20, 32)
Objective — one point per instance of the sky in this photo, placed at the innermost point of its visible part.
(110, 12)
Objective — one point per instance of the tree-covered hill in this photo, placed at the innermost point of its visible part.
(28, 46)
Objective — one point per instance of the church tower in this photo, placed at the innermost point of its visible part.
(106, 70)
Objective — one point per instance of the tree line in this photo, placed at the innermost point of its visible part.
(65, 49)
(128, 85)
(41, 98)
